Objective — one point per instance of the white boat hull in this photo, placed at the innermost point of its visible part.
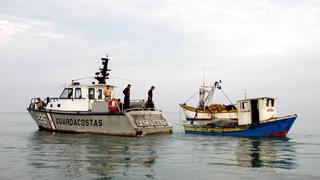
(130, 123)
(207, 116)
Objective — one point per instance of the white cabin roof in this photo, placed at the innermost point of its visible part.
(256, 98)
(89, 85)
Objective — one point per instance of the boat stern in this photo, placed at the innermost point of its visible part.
(148, 121)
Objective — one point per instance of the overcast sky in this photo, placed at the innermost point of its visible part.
(267, 47)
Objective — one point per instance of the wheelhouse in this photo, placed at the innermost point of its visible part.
(256, 110)
(78, 97)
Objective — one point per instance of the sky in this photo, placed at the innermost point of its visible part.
(266, 48)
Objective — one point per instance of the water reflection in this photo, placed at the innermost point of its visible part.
(91, 156)
(84, 156)
(275, 153)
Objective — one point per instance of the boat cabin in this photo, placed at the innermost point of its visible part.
(88, 98)
(78, 97)
(256, 110)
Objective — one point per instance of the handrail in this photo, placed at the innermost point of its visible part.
(47, 100)
(137, 100)
(32, 103)
(142, 109)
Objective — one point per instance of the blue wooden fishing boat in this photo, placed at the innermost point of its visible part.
(256, 117)
(276, 127)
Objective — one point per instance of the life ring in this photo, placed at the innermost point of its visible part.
(113, 105)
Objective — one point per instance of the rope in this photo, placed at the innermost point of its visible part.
(191, 96)
(89, 77)
(226, 96)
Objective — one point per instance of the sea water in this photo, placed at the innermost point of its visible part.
(27, 153)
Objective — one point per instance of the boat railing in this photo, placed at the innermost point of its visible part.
(142, 109)
(137, 101)
(32, 104)
(46, 101)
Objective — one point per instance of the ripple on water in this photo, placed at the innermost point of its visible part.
(27, 153)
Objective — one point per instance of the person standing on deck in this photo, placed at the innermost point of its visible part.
(126, 102)
(40, 104)
(150, 103)
(107, 93)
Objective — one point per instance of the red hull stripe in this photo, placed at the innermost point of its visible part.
(278, 134)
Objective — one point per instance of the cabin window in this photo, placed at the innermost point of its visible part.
(99, 93)
(270, 102)
(244, 105)
(91, 93)
(78, 93)
(66, 93)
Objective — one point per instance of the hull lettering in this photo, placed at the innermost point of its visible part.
(79, 122)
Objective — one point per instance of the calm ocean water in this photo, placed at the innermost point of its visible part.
(27, 153)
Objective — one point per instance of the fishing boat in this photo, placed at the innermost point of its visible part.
(207, 112)
(255, 117)
(87, 108)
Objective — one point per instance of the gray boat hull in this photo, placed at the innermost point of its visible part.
(130, 123)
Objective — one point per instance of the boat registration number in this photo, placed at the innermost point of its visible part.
(144, 123)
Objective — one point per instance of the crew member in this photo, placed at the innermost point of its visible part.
(126, 102)
(107, 92)
(40, 104)
(120, 105)
(150, 103)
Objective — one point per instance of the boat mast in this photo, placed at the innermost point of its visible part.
(103, 74)
(217, 85)
(202, 94)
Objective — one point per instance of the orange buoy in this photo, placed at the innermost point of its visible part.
(113, 105)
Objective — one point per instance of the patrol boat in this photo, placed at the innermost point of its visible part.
(84, 108)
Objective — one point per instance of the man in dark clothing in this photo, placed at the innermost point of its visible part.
(120, 105)
(150, 103)
(126, 102)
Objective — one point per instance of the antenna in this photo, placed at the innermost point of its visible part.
(203, 71)
(245, 94)
(103, 74)
(202, 93)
